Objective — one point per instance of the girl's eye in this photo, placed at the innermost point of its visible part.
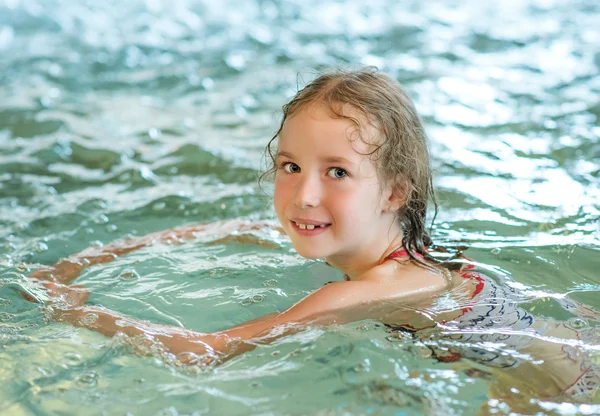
(290, 167)
(337, 173)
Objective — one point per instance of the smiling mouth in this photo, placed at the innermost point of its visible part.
(309, 226)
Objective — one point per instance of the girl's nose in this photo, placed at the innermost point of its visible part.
(308, 193)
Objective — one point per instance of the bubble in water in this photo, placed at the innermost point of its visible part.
(5, 316)
(424, 352)
(246, 302)
(40, 247)
(129, 274)
(577, 323)
(4, 302)
(111, 228)
(72, 358)
(270, 282)
(6, 261)
(89, 378)
(154, 133)
(101, 219)
(159, 206)
(496, 250)
(258, 298)
(22, 268)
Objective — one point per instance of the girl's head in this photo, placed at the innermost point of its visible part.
(383, 126)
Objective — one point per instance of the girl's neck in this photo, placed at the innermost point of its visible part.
(371, 256)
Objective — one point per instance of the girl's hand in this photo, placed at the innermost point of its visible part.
(67, 296)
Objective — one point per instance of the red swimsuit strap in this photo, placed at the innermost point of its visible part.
(401, 252)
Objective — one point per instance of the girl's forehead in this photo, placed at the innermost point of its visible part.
(346, 128)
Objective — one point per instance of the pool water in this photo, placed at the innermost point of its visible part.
(123, 119)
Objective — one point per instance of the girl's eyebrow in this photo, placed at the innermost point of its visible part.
(326, 159)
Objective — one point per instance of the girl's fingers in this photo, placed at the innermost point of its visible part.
(71, 296)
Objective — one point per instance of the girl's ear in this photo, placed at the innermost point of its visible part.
(398, 194)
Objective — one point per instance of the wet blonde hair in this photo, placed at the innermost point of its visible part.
(401, 156)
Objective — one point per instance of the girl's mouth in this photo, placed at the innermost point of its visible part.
(309, 229)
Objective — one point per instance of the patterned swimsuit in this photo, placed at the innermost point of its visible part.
(491, 318)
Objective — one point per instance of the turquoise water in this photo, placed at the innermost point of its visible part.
(121, 119)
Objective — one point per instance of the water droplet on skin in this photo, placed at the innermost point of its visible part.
(188, 358)
(129, 274)
(89, 319)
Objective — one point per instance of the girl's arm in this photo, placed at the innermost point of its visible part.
(68, 269)
(338, 302)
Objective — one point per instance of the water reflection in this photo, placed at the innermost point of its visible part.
(122, 117)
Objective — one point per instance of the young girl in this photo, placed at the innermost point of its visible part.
(352, 186)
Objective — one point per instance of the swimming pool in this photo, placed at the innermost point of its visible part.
(126, 119)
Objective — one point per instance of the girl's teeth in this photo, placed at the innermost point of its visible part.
(309, 226)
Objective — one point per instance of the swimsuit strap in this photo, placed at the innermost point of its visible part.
(401, 252)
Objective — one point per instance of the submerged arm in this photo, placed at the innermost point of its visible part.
(335, 303)
(68, 269)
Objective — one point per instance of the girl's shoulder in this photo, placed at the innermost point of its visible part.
(403, 280)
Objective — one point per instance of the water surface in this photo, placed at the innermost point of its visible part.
(126, 118)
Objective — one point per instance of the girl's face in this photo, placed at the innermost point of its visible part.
(328, 196)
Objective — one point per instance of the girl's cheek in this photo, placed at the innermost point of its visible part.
(279, 195)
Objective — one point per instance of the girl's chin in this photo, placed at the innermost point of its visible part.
(309, 254)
